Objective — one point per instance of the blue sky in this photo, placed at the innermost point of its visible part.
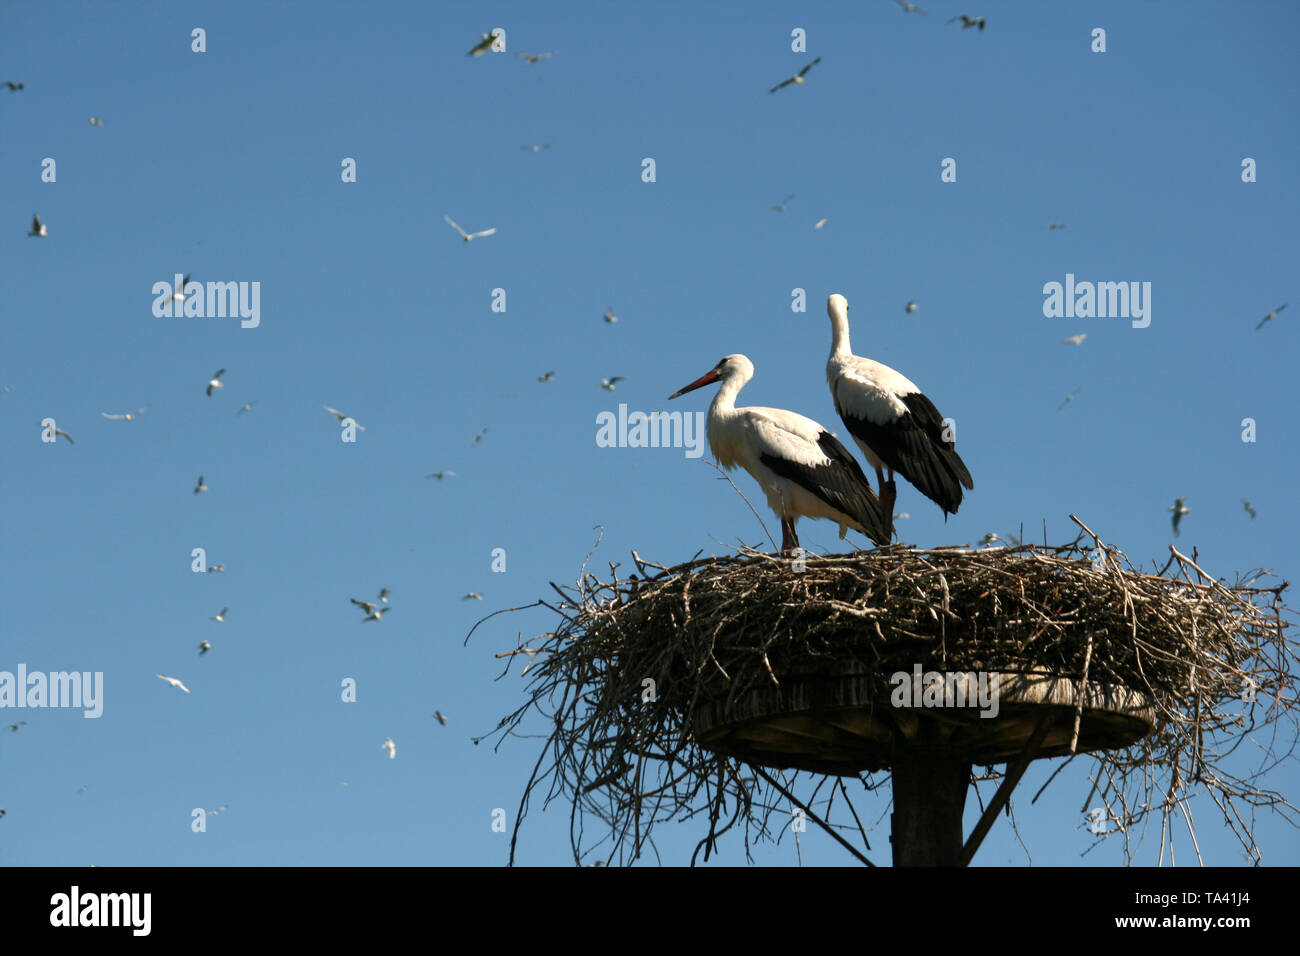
(226, 165)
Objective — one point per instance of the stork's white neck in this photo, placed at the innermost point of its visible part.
(840, 332)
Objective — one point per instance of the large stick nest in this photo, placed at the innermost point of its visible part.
(633, 658)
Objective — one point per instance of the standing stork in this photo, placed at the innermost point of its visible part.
(894, 424)
(800, 466)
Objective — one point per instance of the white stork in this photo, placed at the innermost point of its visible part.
(894, 424)
(800, 466)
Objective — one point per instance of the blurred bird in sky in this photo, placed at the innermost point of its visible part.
(38, 227)
(1248, 508)
(467, 236)
(390, 747)
(1179, 509)
(1266, 318)
(216, 379)
(1075, 339)
(967, 22)
(174, 682)
(482, 46)
(127, 417)
(200, 486)
(797, 79)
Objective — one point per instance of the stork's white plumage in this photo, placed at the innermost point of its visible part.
(894, 424)
(801, 467)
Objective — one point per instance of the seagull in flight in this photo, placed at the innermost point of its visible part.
(216, 378)
(204, 647)
(367, 606)
(220, 616)
(1266, 318)
(548, 377)
(797, 79)
(179, 296)
(441, 475)
(608, 384)
(59, 431)
(968, 21)
(910, 307)
(200, 486)
(13, 87)
(127, 417)
(534, 58)
(174, 682)
(442, 718)
(911, 7)
(383, 594)
(538, 148)
(1246, 505)
(820, 223)
(38, 227)
(1055, 225)
(610, 317)
(215, 568)
(467, 236)
(472, 596)
(1179, 509)
(990, 539)
(96, 121)
(342, 417)
(900, 515)
(376, 614)
(1068, 399)
(14, 727)
(218, 811)
(479, 437)
(780, 207)
(482, 46)
(246, 407)
(390, 747)
(1075, 339)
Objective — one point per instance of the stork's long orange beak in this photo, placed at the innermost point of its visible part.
(712, 375)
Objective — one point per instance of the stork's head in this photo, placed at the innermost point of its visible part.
(735, 366)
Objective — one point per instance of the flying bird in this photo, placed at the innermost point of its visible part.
(548, 377)
(442, 718)
(1179, 509)
(127, 417)
(534, 58)
(1248, 508)
(441, 475)
(1075, 339)
(910, 7)
(14, 727)
(780, 207)
(213, 569)
(383, 594)
(246, 407)
(96, 121)
(13, 87)
(1052, 225)
(538, 148)
(1266, 318)
(820, 223)
(467, 236)
(178, 295)
(376, 614)
(204, 647)
(174, 682)
(990, 539)
(797, 79)
(38, 227)
(802, 468)
(968, 21)
(610, 317)
(472, 596)
(342, 417)
(608, 383)
(482, 46)
(367, 606)
(200, 486)
(220, 616)
(910, 307)
(900, 515)
(218, 811)
(59, 431)
(479, 437)
(390, 747)
(897, 427)
(216, 380)
(1068, 399)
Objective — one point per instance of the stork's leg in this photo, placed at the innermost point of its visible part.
(789, 540)
(888, 495)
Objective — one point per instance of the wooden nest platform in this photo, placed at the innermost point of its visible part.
(677, 689)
